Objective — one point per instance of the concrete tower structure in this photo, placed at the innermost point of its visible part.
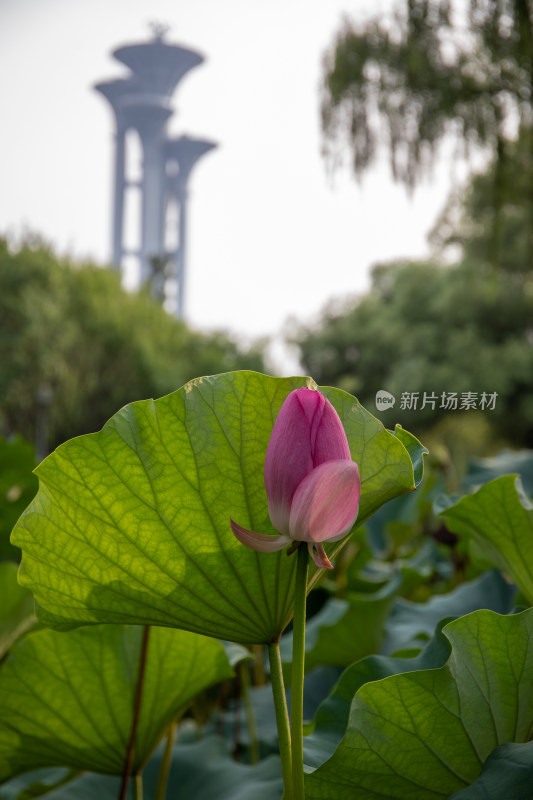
(141, 102)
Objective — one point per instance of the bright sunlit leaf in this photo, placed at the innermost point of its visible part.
(131, 524)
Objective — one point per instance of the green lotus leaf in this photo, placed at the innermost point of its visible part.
(498, 522)
(415, 450)
(330, 721)
(205, 769)
(405, 627)
(131, 524)
(410, 624)
(67, 699)
(200, 770)
(506, 462)
(41, 782)
(426, 734)
(507, 773)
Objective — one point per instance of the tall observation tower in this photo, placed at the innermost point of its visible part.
(151, 207)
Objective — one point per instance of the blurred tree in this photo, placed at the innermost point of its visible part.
(18, 486)
(431, 70)
(467, 219)
(72, 338)
(425, 330)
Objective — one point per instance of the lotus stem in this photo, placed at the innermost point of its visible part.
(282, 717)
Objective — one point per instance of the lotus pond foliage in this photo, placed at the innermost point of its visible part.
(247, 588)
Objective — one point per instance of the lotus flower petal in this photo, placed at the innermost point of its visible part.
(312, 485)
(262, 542)
(307, 433)
(318, 554)
(325, 504)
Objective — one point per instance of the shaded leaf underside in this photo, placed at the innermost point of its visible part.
(67, 699)
(498, 522)
(424, 735)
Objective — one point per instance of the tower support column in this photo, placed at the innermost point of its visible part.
(118, 199)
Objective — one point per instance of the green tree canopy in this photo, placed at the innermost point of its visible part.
(72, 334)
(428, 70)
(431, 70)
(468, 218)
(427, 328)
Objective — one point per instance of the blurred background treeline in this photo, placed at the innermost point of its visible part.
(78, 346)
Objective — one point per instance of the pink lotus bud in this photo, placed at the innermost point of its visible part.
(312, 484)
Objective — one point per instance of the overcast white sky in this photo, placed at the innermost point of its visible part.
(270, 235)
